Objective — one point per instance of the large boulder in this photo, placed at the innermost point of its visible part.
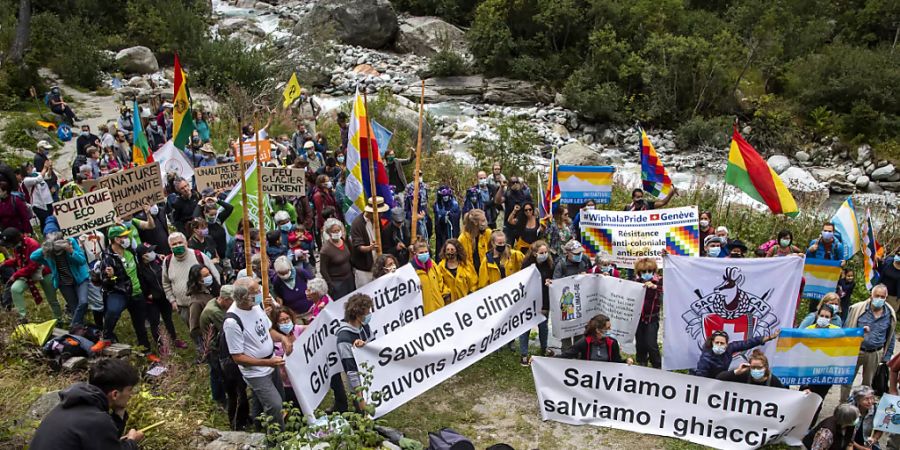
(779, 163)
(804, 185)
(367, 23)
(137, 60)
(43, 405)
(883, 173)
(425, 36)
(504, 91)
(578, 154)
(476, 89)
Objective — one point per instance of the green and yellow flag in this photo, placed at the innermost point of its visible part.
(291, 91)
(183, 119)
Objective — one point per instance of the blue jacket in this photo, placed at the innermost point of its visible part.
(711, 365)
(446, 216)
(77, 263)
(837, 250)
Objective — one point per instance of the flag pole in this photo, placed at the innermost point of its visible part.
(415, 200)
(244, 220)
(260, 208)
(376, 222)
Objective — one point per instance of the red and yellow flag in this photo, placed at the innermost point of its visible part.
(182, 118)
(749, 172)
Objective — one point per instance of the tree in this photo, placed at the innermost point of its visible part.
(23, 32)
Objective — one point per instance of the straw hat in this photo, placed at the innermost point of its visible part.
(382, 207)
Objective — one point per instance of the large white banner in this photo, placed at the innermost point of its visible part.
(397, 299)
(576, 299)
(746, 298)
(431, 350)
(627, 236)
(701, 410)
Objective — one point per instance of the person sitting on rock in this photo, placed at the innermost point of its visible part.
(58, 106)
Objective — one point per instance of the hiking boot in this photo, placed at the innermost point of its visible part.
(100, 345)
(180, 344)
(549, 353)
(525, 361)
(152, 358)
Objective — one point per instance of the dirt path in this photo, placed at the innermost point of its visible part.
(93, 110)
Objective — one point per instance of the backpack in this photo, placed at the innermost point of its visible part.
(64, 132)
(47, 98)
(66, 345)
(225, 359)
(447, 439)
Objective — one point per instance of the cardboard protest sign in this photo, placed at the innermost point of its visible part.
(432, 349)
(627, 236)
(85, 213)
(736, 296)
(576, 299)
(816, 355)
(705, 411)
(133, 188)
(221, 176)
(249, 147)
(283, 181)
(397, 299)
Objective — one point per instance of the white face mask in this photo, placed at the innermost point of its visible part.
(151, 255)
(154, 210)
(718, 349)
(336, 236)
(823, 322)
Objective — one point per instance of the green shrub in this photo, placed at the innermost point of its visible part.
(222, 62)
(446, 63)
(602, 102)
(167, 26)
(16, 132)
(774, 126)
(513, 148)
(700, 131)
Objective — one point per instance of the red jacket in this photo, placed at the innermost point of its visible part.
(14, 213)
(322, 199)
(21, 260)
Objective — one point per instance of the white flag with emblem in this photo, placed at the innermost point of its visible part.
(746, 298)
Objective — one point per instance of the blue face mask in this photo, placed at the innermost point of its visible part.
(258, 299)
(757, 374)
(423, 257)
(647, 276)
(878, 302)
(367, 318)
(287, 227)
(828, 235)
(714, 251)
(286, 328)
(576, 257)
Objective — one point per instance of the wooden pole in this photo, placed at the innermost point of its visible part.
(415, 200)
(376, 222)
(261, 211)
(244, 220)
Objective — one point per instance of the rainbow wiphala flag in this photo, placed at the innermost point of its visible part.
(683, 240)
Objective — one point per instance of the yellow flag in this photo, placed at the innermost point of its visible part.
(291, 91)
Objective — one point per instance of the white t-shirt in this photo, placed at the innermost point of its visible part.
(254, 341)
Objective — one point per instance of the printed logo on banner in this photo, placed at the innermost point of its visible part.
(887, 417)
(682, 240)
(728, 307)
(570, 303)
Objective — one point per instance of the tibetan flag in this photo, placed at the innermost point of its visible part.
(552, 194)
(654, 176)
(816, 355)
(869, 252)
(357, 187)
(183, 119)
(291, 91)
(821, 277)
(140, 150)
(750, 173)
(846, 227)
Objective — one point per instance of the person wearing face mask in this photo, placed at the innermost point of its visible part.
(865, 436)
(176, 279)
(150, 276)
(208, 211)
(827, 245)
(284, 221)
(435, 294)
(198, 229)
(396, 237)
(202, 287)
(538, 256)
(573, 263)
(317, 293)
(647, 334)
(878, 319)
(446, 216)
(27, 273)
(156, 136)
(718, 352)
(737, 249)
(323, 198)
(822, 321)
(481, 196)
(236, 245)
(835, 432)
(424, 226)
(500, 261)
(384, 264)
(354, 331)
(756, 372)
(597, 344)
(284, 322)
(846, 285)
(784, 245)
(475, 238)
(334, 260)
(706, 228)
(513, 197)
(68, 268)
(121, 290)
(86, 139)
(889, 275)
(603, 265)
(714, 246)
(288, 284)
(576, 222)
(832, 302)
(459, 277)
(639, 203)
(394, 166)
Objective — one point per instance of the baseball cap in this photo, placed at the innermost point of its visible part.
(10, 236)
(117, 231)
(44, 144)
(574, 246)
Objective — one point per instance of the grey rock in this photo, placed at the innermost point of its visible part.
(578, 154)
(862, 182)
(802, 156)
(442, 89)
(426, 36)
(138, 83)
(894, 177)
(367, 23)
(43, 405)
(883, 173)
(841, 186)
(505, 91)
(826, 175)
(852, 177)
(779, 163)
(75, 363)
(117, 350)
(608, 137)
(212, 439)
(561, 131)
(874, 188)
(856, 171)
(881, 163)
(893, 186)
(137, 60)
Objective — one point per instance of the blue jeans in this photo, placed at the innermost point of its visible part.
(542, 338)
(116, 303)
(76, 300)
(216, 377)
